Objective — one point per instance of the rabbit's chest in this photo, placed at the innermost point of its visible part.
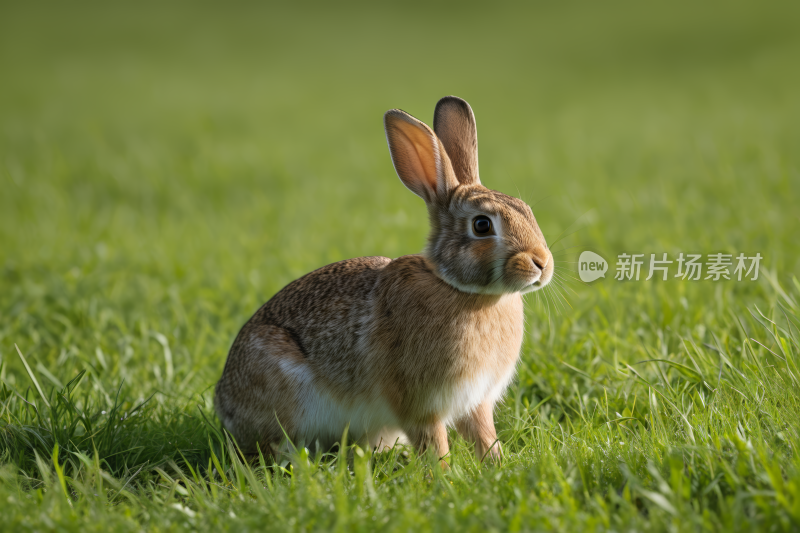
(470, 362)
(453, 401)
(441, 352)
(480, 372)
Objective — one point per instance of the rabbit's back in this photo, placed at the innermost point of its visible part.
(326, 309)
(325, 314)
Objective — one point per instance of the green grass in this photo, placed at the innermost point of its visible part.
(166, 168)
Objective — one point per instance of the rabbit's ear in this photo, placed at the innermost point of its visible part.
(454, 124)
(418, 157)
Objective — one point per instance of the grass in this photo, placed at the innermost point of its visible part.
(165, 168)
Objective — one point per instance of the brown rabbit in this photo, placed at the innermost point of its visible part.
(403, 348)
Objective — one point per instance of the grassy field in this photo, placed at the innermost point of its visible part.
(166, 167)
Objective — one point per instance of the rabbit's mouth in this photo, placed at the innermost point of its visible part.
(535, 286)
(545, 274)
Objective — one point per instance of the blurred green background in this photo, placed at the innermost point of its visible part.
(169, 166)
(165, 167)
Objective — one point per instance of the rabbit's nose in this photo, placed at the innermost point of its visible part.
(540, 257)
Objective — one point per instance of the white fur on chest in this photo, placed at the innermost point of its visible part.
(463, 397)
(489, 368)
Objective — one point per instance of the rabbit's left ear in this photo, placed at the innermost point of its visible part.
(454, 124)
(418, 157)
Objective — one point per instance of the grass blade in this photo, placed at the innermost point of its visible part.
(33, 378)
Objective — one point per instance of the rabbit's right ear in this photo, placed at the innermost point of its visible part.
(454, 124)
(418, 157)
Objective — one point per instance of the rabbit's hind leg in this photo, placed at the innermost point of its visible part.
(259, 397)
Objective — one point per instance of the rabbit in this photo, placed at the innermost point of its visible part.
(397, 350)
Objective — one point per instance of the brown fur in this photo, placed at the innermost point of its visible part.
(397, 346)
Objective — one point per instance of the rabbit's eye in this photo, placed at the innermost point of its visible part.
(482, 225)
